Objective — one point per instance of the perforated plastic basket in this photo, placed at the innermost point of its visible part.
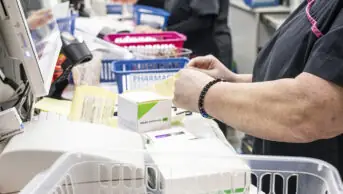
(164, 38)
(67, 24)
(106, 76)
(85, 174)
(176, 53)
(135, 74)
(154, 17)
(114, 9)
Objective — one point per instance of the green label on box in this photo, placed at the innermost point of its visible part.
(144, 108)
(239, 190)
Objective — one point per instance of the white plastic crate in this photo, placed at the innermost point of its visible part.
(84, 174)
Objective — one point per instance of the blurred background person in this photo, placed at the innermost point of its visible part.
(39, 18)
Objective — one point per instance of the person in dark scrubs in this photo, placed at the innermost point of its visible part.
(152, 3)
(205, 23)
(293, 101)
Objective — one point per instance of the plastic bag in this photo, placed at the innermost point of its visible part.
(88, 73)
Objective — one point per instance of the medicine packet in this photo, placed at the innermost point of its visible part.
(94, 105)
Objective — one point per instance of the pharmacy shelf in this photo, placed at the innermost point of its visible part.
(272, 9)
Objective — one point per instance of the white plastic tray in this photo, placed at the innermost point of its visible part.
(81, 174)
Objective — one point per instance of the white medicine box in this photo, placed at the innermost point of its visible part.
(144, 111)
(198, 166)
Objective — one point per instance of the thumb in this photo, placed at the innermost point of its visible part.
(43, 12)
(202, 62)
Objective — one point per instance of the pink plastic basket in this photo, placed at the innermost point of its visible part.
(173, 38)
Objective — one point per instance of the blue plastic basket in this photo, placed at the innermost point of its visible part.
(106, 76)
(67, 24)
(154, 17)
(114, 8)
(135, 74)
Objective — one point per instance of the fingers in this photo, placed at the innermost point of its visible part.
(36, 22)
(197, 62)
(204, 62)
(43, 12)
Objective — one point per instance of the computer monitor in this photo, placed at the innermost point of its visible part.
(32, 38)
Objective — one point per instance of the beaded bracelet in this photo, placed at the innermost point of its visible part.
(202, 97)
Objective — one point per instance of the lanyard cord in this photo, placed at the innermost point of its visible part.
(8, 81)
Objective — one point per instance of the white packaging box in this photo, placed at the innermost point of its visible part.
(198, 166)
(144, 111)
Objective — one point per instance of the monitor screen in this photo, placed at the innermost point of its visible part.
(43, 29)
(38, 21)
(32, 25)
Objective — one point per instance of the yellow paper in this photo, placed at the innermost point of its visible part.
(163, 88)
(113, 122)
(84, 93)
(61, 107)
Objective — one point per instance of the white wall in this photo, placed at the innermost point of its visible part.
(243, 31)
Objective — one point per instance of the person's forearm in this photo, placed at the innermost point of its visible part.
(277, 110)
(243, 78)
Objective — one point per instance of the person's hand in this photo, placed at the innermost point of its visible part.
(212, 67)
(39, 18)
(188, 86)
(146, 29)
(125, 1)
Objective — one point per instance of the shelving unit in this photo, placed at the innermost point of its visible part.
(274, 9)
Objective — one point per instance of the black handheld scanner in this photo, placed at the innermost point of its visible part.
(76, 53)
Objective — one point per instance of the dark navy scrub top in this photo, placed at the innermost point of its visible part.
(205, 23)
(310, 40)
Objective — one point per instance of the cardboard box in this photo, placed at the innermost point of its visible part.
(198, 166)
(144, 111)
